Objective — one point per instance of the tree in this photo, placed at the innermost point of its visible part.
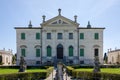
(105, 58)
(14, 59)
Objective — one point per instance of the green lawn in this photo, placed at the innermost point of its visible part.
(9, 71)
(105, 70)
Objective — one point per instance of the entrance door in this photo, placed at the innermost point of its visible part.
(59, 51)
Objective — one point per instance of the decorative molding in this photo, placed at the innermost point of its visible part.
(82, 46)
(43, 30)
(65, 30)
(53, 30)
(96, 46)
(23, 46)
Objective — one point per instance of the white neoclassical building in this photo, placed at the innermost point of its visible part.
(6, 57)
(114, 56)
(59, 39)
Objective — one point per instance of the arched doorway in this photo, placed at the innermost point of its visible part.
(59, 51)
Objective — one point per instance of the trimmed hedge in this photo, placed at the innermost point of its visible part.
(27, 75)
(92, 76)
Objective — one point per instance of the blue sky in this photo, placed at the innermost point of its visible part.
(101, 13)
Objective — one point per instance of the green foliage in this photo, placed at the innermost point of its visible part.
(88, 74)
(33, 74)
(14, 59)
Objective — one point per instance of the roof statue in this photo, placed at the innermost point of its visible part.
(75, 17)
(30, 24)
(43, 18)
(88, 26)
(59, 11)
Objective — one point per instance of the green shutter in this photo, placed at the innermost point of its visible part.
(81, 35)
(96, 36)
(37, 52)
(23, 52)
(70, 51)
(81, 52)
(22, 35)
(49, 51)
(37, 35)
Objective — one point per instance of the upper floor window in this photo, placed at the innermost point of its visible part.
(23, 36)
(96, 36)
(37, 35)
(59, 36)
(70, 35)
(81, 35)
(48, 35)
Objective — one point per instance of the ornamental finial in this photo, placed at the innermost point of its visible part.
(75, 17)
(88, 26)
(43, 18)
(30, 24)
(59, 11)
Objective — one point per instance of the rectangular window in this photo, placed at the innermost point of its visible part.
(70, 35)
(49, 51)
(96, 36)
(96, 52)
(23, 52)
(60, 36)
(23, 36)
(37, 52)
(81, 52)
(48, 35)
(81, 35)
(37, 35)
(37, 62)
(70, 51)
(81, 62)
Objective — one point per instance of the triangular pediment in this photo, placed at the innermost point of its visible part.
(59, 20)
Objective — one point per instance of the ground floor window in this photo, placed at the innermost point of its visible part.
(82, 62)
(48, 51)
(81, 52)
(37, 62)
(70, 51)
(37, 52)
(23, 52)
(96, 52)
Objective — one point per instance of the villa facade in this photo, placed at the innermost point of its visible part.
(59, 39)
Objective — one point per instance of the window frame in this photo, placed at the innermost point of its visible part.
(81, 36)
(48, 35)
(71, 51)
(37, 52)
(96, 52)
(49, 51)
(23, 52)
(96, 36)
(82, 52)
(59, 35)
(37, 36)
(70, 35)
(23, 36)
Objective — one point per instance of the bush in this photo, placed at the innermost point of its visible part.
(92, 76)
(27, 75)
(69, 70)
(24, 76)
